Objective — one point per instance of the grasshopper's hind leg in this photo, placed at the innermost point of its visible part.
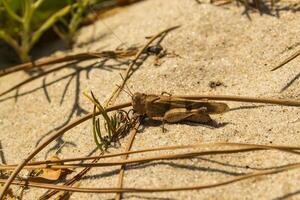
(198, 115)
(199, 118)
(182, 114)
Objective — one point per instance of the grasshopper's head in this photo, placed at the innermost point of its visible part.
(139, 103)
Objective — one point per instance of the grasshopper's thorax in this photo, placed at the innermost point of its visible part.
(139, 102)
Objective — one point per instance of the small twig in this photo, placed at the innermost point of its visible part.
(285, 102)
(149, 190)
(293, 56)
(150, 158)
(254, 146)
(75, 57)
(59, 148)
(124, 157)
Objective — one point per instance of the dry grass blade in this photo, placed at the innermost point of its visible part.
(285, 102)
(246, 148)
(147, 190)
(122, 168)
(76, 57)
(293, 56)
(65, 195)
(201, 145)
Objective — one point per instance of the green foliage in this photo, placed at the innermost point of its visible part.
(116, 126)
(68, 28)
(23, 22)
(111, 124)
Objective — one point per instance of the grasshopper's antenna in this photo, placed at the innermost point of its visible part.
(126, 85)
(129, 93)
(116, 36)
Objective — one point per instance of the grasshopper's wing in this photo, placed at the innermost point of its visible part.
(211, 106)
(216, 107)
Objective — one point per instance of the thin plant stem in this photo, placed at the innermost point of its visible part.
(290, 58)
(11, 13)
(148, 159)
(285, 102)
(201, 145)
(36, 36)
(124, 157)
(150, 190)
(75, 57)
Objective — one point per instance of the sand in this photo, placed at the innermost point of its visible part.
(214, 44)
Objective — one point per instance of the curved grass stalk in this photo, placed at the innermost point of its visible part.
(53, 19)
(37, 4)
(11, 13)
(148, 190)
(9, 40)
(285, 102)
(287, 60)
(242, 147)
(96, 130)
(79, 57)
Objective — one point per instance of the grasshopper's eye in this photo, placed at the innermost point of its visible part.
(136, 97)
(138, 102)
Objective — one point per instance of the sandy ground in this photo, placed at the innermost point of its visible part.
(214, 44)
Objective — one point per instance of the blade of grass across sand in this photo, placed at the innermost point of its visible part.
(293, 56)
(243, 147)
(265, 100)
(75, 57)
(148, 190)
(132, 135)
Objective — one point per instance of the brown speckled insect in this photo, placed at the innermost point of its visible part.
(172, 109)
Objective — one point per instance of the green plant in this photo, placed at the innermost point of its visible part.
(116, 126)
(68, 27)
(24, 22)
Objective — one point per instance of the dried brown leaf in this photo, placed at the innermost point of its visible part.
(51, 175)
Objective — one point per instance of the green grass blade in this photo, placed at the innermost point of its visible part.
(52, 20)
(11, 13)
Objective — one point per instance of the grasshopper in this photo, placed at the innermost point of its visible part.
(172, 109)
